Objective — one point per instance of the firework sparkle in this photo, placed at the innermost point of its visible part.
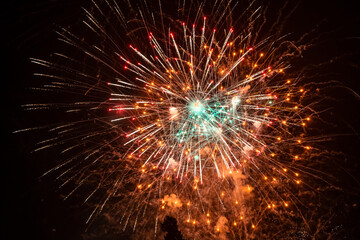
(192, 117)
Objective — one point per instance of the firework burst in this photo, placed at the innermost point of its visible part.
(193, 118)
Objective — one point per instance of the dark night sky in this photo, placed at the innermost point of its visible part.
(33, 207)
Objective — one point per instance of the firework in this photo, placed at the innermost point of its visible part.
(189, 117)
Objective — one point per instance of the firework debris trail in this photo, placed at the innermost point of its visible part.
(187, 115)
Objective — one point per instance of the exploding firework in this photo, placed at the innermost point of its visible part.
(192, 117)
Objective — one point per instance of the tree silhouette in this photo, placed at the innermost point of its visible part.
(171, 228)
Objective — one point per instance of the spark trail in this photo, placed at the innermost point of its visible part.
(190, 118)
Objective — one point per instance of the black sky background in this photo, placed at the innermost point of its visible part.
(32, 207)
